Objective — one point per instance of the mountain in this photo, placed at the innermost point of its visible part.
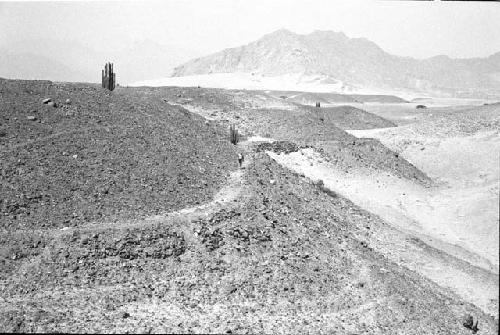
(352, 62)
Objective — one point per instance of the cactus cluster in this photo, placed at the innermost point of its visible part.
(234, 137)
(108, 77)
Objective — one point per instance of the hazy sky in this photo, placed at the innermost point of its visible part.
(407, 28)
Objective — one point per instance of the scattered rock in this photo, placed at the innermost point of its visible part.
(278, 147)
(124, 315)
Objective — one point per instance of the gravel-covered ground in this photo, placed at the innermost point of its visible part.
(286, 257)
(270, 252)
(256, 113)
(349, 117)
(101, 156)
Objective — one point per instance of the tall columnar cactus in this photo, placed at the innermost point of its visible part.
(233, 135)
(108, 77)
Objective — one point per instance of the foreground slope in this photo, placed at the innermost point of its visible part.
(285, 257)
(270, 252)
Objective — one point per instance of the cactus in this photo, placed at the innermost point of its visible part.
(108, 77)
(234, 137)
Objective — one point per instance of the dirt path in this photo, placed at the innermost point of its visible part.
(223, 199)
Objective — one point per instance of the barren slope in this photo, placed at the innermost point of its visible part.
(102, 156)
(284, 258)
(460, 149)
(263, 251)
(319, 127)
(348, 117)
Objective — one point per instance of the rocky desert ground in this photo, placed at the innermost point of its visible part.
(126, 211)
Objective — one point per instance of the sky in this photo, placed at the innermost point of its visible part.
(407, 28)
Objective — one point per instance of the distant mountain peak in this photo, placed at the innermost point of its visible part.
(280, 34)
(282, 31)
(329, 33)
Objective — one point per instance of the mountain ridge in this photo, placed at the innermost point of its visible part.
(355, 62)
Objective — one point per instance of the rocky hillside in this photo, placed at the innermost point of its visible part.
(253, 250)
(377, 98)
(348, 117)
(310, 98)
(355, 62)
(96, 156)
(460, 123)
(284, 258)
(323, 128)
